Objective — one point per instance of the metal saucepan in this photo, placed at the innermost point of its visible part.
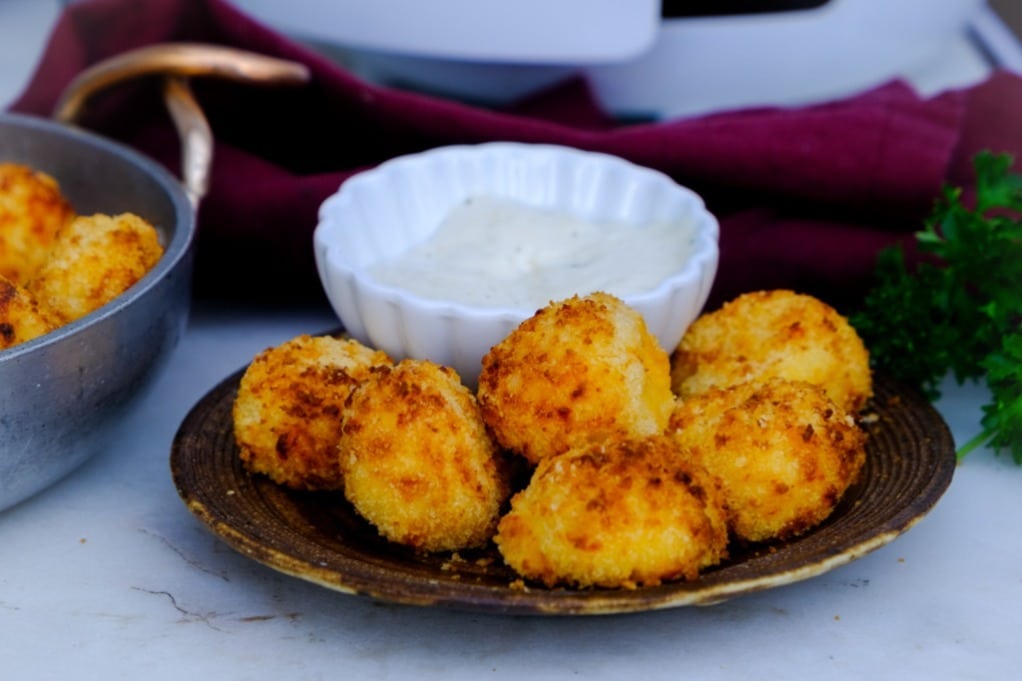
(63, 394)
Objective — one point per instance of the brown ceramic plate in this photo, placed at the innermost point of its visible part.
(318, 537)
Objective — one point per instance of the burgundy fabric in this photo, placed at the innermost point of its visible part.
(805, 196)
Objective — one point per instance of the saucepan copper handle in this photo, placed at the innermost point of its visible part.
(177, 63)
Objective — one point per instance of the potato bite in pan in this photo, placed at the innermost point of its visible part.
(64, 265)
(93, 260)
(625, 512)
(778, 333)
(782, 451)
(21, 318)
(417, 460)
(578, 371)
(32, 211)
(287, 414)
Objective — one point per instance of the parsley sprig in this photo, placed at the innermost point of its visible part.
(959, 311)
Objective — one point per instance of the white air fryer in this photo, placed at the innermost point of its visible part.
(644, 58)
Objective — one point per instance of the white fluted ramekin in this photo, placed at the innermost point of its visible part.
(380, 213)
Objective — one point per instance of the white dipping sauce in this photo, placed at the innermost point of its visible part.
(494, 252)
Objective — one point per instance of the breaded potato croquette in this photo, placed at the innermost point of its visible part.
(93, 260)
(621, 513)
(32, 211)
(287, 413)
(417, 460)
(783, 452)
(21, 318)
(769, 334)
(580, 370)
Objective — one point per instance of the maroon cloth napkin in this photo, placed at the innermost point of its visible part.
(805, 196)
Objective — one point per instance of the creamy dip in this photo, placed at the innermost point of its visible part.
(494, 252)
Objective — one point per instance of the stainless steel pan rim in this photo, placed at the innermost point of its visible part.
(176, 247)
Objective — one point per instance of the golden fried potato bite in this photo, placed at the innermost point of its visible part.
(32, 211)
(579, 370)
(769, 334)
(627, 512)
(21, 318)
(93, 260)
(417, 460)
(783, 452)
(287, 413)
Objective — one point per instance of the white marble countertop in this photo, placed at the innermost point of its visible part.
(107, 575)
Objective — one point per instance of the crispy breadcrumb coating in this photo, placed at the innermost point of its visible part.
(287, 414)
(783, 452)
(769, 334)
(21, 318)
(93, 260)
(417, 460)
(32, 211)
(580, 370)
(621, 513)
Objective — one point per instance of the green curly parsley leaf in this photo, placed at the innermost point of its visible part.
(960, 310)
